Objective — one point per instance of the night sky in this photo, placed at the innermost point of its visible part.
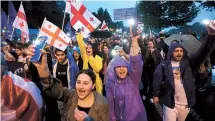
(112, 4)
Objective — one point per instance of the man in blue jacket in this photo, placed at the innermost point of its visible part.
(174, 82)
(65, 68)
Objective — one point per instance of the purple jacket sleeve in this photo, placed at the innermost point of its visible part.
(136, 65)
(110, 97)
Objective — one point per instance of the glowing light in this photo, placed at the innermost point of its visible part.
(68, 34)
(74, 47)
(144, 36)
(206, 21)
(113, 53)
(131, 22)
(124, 40)
(36, 42)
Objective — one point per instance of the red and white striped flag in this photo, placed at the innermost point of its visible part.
(104, 26)
(80, 17)
(21, 99)
(56, 37)
(20, 23)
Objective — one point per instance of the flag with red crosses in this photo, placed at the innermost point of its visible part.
(20, 23)
(81, 17)
(56, 37)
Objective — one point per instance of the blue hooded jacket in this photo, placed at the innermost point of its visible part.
(73, 70)
(163, 83)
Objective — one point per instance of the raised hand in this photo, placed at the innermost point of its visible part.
(81, 115)
(209, 29)
(42, 67)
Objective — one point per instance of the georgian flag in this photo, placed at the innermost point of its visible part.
(20, 23)
(104, 26)
(21, 99)
(56, 37)
(80, 17)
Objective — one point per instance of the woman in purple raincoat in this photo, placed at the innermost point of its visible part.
(122, 87)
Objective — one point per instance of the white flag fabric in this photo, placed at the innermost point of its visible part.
(20, 22)
(56, 37)
(104, 26)
(81, 18)
(21, 99)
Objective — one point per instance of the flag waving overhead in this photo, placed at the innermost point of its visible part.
(104, 26)
(80, 17)
(56, 37)
(20, 22)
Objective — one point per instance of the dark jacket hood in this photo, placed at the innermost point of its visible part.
(172, 48)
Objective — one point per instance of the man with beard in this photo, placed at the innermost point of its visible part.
(173, 79)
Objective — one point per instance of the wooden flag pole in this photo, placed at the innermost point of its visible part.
(41, 27)
(64, 16)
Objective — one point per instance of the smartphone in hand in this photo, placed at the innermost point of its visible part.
(39, 44)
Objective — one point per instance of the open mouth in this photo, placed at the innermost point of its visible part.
(122, 73)
(81, 92)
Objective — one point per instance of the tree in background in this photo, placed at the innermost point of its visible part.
(100, 14)
(157, 15)
(104, 15)
(36, 11)
(107, 17)
(209, 5)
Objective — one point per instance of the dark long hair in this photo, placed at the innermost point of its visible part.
(90, 73)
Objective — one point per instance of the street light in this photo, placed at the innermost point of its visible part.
(131, 22)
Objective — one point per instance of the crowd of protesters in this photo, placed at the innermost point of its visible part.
(109, 80)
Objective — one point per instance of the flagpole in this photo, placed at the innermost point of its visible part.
(64, 16)
(41, 26)
(12, 35)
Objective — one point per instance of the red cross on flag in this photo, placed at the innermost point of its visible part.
(80, 17)
(104, 26)
(20, 23)
(56, 37)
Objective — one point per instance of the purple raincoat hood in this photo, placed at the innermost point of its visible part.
(115, 62)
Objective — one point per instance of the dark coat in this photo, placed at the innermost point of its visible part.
(164, 76)
(155, 55)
